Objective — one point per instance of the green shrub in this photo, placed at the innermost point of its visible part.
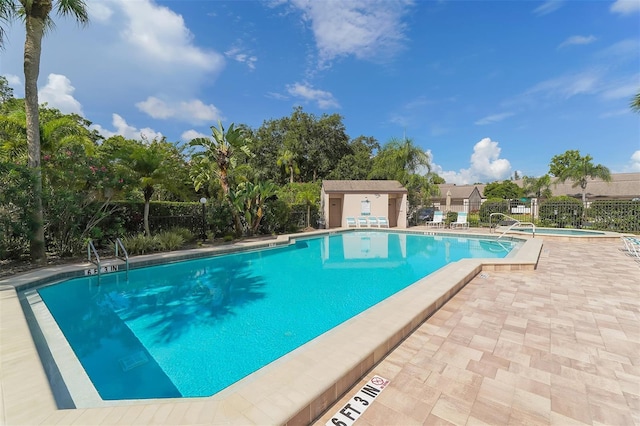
(139, 244)
(185, 233)
(450, 217)
(168, 241)
(493, 205)
(614, 215)
(561, 211)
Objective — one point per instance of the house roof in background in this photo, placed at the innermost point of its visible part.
(363, 186)
(459, 191)
(622, 186)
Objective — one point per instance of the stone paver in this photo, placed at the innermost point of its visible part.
(558, 345)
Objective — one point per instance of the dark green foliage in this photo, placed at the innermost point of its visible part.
(561, 212)
(276, 217)
(493, 205)
(506, 190)
(614, 215)
(15, 205)
(450, 217)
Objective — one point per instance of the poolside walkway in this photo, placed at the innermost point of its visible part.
(558, 345)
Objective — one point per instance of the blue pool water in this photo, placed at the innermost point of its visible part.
(192, 328)
(560, 231)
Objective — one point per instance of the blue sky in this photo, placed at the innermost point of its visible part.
(487, 88)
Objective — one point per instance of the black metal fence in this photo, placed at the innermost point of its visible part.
(604, 215)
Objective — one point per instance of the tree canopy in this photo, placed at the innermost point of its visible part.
(574, 167)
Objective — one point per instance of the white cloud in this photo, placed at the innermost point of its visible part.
(548, 7)
(635, 162)
(486, 166)
(568, 86)
(58, 93)
(622, 89)
(15, 82)
(325, 100)
(124, 129)
(98, 11)
(161, 35)
(367, 29)
(577, 40)
(625, 7)
(237, 55)
(495, 118)
(192, 134)
(193, 111)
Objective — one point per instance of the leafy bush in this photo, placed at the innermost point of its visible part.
(186, 234)
(167, 241)
(139, 244)
(493, 205)
(614, 215)
(561, 211)
(15, 204)
(276, 217)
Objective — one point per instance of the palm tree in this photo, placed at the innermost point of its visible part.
(37, 20)
(538, 187)
(635, 102)
(146, 163)
(398, 159)
(287, 160)
(572, 166)
(220, 157)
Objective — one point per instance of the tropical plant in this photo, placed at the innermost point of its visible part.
(36, 15)
(287, 161)
(401, 160)
(398, 159)
(250, 198)
(218, 158)
(538, 187)
(572, 166)
(635, 102)
(169, 240)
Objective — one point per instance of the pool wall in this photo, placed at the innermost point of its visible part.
(589, 235)
(294, 389)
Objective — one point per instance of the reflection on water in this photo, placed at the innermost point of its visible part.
(192, 328)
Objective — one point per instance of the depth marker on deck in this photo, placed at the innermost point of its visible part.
(353, 409)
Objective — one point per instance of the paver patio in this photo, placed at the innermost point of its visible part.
(558, 345)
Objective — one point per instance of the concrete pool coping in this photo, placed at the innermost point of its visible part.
(589, 235)
(295, 389)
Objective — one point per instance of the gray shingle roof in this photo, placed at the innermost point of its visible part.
(363, 186)
(622, 186)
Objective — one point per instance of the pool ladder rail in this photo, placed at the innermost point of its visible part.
(512, 224)
(119, 247)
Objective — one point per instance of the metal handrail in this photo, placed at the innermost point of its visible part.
(515, 223)
(125, 257)
(92, 249)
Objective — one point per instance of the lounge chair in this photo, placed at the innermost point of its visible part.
(373, 221)
(632, 245)
(461, 221)
(383, 222)
(363, 222)
(437, 221)
(351, 222)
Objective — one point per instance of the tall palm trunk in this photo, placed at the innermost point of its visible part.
(32, 50)
(224, 183)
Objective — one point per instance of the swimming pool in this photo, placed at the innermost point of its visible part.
(192, 328)
(560, 231)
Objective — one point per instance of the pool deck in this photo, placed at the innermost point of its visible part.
(556, 345)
